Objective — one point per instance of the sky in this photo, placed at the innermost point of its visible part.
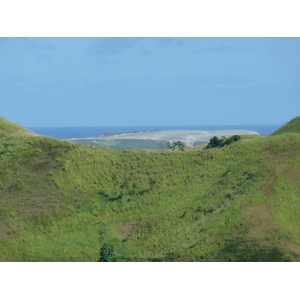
(128, 81)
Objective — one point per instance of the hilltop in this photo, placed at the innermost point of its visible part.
(61, 201)
(292, 126)
(7, 127)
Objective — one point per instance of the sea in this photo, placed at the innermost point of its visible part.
(79, 132)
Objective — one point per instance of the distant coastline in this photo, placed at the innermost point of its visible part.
(145, 139)
(80, 132)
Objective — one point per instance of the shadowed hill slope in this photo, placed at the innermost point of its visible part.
(61, 201)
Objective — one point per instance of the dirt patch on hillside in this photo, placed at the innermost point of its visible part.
(292, 249)
(268, 232)
(129, 228)
(258, 217)
(268, 188)
(263, 231)
(260, 211)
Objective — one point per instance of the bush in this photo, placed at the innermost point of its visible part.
(216, 142)
(107, 254)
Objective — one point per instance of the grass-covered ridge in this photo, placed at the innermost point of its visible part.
(7, 127)
(292, 126)
(61, 201)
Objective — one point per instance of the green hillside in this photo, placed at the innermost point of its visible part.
(61, 201)
(292, 126)
(7, 127)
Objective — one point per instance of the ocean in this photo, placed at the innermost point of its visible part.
(79, 132)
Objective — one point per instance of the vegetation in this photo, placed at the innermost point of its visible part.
(7, 127)
(292, 126)
(61, 201)
(175, 145)
(107, 254)
(216, 142)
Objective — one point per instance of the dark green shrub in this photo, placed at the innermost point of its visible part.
(169, 257)
(216, 142)
(107, 254)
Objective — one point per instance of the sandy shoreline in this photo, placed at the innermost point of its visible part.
(188, 137)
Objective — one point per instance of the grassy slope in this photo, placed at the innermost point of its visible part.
(7, 127)
(61, 201)
(292, 126)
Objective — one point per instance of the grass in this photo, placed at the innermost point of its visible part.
(7, 127)
(292, 126)
(62, 201)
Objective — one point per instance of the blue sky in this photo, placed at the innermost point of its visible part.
(149, 81)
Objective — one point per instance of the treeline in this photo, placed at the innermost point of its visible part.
(223, 141)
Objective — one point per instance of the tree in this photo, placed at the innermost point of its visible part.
(107, 254)
(236, 138)
(216, 142)
(175, 145)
